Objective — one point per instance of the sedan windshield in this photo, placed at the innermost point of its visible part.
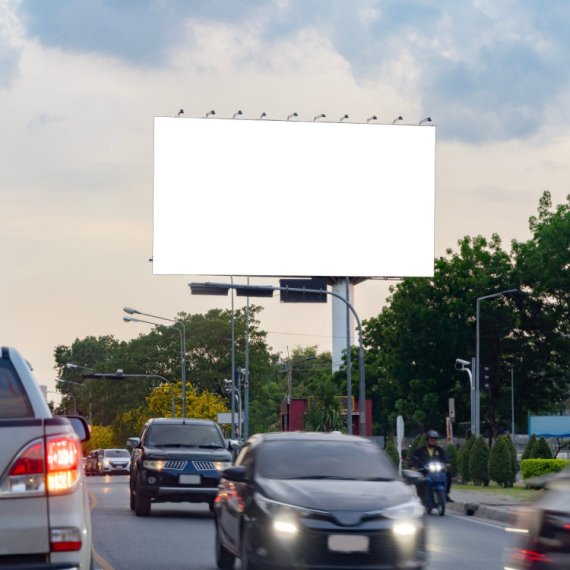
(169, 435)
(321, 459)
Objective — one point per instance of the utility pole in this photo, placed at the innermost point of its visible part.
(246, 383)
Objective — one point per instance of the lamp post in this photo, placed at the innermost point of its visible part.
(183, 343)
(70, 365)
(83, 386)
(263, 290)
(120, 376)
(477, 363)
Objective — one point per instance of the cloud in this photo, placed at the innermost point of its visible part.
(9, 53)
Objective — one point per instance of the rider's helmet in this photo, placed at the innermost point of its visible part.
(431, 433)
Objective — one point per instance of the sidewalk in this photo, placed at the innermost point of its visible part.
(486, 505)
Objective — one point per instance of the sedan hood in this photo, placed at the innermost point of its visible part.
(187, 454)
(336, 495)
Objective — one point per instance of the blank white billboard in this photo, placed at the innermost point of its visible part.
(284, 198)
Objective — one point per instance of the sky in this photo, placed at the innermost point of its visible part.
(80, 84)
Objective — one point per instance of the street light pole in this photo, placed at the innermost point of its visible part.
(182, 334)
(70, 365)
(233, 388)
(265, 288)
(83, 386)
(478, 364)
(513, 401)
(348, 371)
(246, 388)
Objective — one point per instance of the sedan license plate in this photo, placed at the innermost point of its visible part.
(349, 543)
(189, 479)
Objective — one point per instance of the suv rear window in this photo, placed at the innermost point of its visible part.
(14, 402)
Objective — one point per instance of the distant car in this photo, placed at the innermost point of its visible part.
(115, 462)
(542, 532)
(177, 460)
(307, 500)
(45, 521)
(95, 460)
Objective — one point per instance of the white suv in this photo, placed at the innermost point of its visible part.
(45, 520)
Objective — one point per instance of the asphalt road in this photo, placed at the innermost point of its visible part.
(181, 536)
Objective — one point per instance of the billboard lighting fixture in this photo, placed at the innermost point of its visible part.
(321, 116)
(181, 112)
(292, 115)
(426, 120)
(263, 115)
(210, 113)
(373, 118)
(238, 113)
(396, 120)
(343, 118)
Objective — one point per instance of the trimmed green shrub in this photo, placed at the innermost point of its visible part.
(536, 467)
(416, 443)
(514, 460)
(479, 462)
(500, 462)
(528, 448)
(464, 459)
(452, 459)
(541, 450)
(392, 451)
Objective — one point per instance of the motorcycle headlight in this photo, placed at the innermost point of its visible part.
(410, 510)
(281, 510)
(156, 465)
(435, 467)
(221, 465)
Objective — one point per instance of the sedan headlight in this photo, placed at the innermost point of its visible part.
(221, 465)
(411, 510)
(276, 508)
(106, 462)
(156, 465)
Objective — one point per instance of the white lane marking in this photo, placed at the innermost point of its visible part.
(471, 519)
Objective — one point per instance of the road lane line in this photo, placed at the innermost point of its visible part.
(470, 519)
(98, 558)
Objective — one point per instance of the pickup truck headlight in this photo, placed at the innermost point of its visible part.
(221, 465)
(156, 465)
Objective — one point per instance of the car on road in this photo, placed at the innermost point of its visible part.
(308, 500)
(115, 462)
(177, 460)
(45, 520)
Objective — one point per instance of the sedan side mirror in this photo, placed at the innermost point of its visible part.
(236, 474)
(133, 441)
(412, 477)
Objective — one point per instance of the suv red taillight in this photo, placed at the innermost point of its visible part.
(63, 456)
(26, 476)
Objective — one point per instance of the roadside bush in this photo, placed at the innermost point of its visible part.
(392, 451)
(464, 459)
(500, 462)
(536, 467)
(479, 462)
(453, 459)
(417, 442)
(541, 450)
(514, 460)
(528, 448)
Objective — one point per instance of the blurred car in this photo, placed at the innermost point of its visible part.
(177, 460)
(45, 520)
(542, 532)
(308, 500)
(115, 462)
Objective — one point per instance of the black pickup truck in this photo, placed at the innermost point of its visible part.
(177, 460)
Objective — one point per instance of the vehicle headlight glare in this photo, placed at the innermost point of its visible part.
(106, 462)
(156, 465)
(221, 465)
(285, 527)
(404, 529)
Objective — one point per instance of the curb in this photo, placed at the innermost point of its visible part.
(480, 510)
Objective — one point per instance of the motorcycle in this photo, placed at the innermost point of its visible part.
(436, 487)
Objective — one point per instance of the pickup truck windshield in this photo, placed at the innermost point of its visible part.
(14, 402)
(184, 436)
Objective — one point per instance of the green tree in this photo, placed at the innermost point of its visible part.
(541, 450)
(479, 462)
(528, 447)
(325, 408)
(453, 459)
(464, 457)
(514, 460)
(392, 452)
(500, 462)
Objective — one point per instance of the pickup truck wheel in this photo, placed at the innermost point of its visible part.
(142, 505)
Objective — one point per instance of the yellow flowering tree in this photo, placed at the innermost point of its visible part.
(101, 438)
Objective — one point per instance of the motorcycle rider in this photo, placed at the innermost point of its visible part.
(424, 455)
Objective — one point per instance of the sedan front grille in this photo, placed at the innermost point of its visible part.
(204, 465)
(175, 465)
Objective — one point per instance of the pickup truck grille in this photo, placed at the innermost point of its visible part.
(204, 465)
(175, 465)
